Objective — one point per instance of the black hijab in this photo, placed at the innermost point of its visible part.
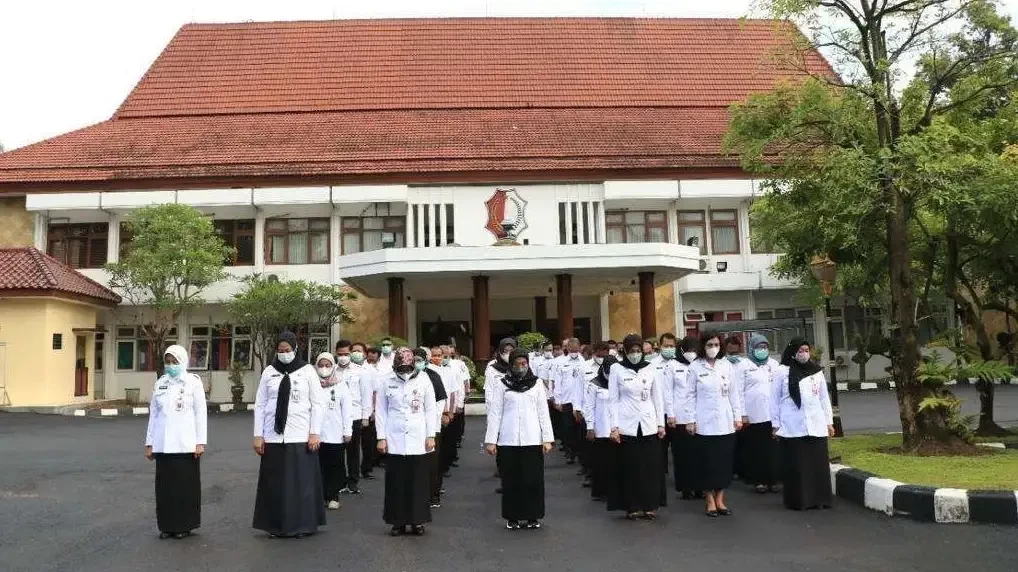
(601, 379)
(520, 382)
(797, 371)
(500, 364)
(630, 341)
(283, 396)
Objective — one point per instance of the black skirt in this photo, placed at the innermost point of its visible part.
(332, 459)
(178, 492)
(805, 472)
(715, 461)
(289, 499)
(522, 472)
(684, 459)
(407, 488)
(604, 467)
(759, 455)
(435, 469)
(641, 482)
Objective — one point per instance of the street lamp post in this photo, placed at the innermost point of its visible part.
(826, 271)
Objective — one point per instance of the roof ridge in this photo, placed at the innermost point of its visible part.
(40, 260)
(291, 23)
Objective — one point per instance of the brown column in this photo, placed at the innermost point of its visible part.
(481, 319)
(540, 311)
(648, 309)
(564, 283)
(397, 309)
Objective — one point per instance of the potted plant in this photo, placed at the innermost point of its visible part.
(237, 382)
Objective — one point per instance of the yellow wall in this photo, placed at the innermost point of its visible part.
(372, 318)
(16, 223)
(624, 312)
(36, 374)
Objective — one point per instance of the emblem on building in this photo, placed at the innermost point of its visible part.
(506, 215)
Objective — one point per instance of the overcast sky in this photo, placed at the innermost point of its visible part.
(65, 64)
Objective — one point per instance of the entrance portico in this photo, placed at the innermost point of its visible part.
(529, 272)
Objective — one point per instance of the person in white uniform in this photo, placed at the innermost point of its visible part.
(459, 417)
(569, 381)
(337, 429)
(638, 423)
(710, 409)
(756, 384)
(803, 419)
(289, 408)
(494, 371)
(445, 402)
(369, 372)
(683, 443)
(544, 373)
(350, 374)
(406, 422)
(176, 438)
(604, 453)
(519, 433)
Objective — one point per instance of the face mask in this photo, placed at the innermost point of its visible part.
(598, 360)
(802, 357)
(713, 352)
(404, 375)
(690, 356)
(420, 365)
(386, 350)
(445, 361)
(324, 372)
(668, 353)
(574, 355)
(547, 355)
(613, 353)
(520, 370)
(733, 359)
(651, 355)
(634, 358)
(761, 354)
(286, 357)
(174, 369)
(357, 357)
(343, 361)
(505, 356)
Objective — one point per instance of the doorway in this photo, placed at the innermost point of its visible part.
(80, 367)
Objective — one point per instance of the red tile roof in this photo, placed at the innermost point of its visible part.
(354, 97)
(28, 271)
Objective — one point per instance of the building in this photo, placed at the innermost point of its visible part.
(392, 155)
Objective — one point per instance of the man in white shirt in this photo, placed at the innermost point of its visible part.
(462, 375)
(442, 363)
(385, 357)
(350, 374)
(369, 381)
(569, 380)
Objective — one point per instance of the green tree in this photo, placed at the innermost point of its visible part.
(268, 307)
(836, 149)
(174, 255)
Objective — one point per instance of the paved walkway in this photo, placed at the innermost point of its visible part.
(76, 494)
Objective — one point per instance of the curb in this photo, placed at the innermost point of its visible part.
(139, 411)
(887, 385)
(924, 504)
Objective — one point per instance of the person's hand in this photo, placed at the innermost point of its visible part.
(364, 422)
(830, 431)
(615, 436)
(313, 442)
(557, 407)
(745, 420)
(490, 448)
(148, 452)
(578, 416)
(429, 444)
(445, 419)
(548, 447)
(691, 428)
(672, 422)
(382, 446)
(259, 446)
(460, 410)
(774, 433)
(590, 435)
(347, 438)
(660, 432)
(199, 450)
(738, 424)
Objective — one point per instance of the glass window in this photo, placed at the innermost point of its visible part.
(239, 235)
(99, 345)
(724, 231)
(693, 230)
(633, 227)
(297, 241)
(364, 234)
(78, 245)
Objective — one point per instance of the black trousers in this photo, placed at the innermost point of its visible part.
(353, 455)
(446, 455)
(568, 431)
(554, 414)
(435, 468)
(332, 460)
(369, 454)
(460, 422)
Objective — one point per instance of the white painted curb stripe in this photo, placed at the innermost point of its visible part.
(992, 445)
(842, 387)
(868, 385)
(140, 410)
(835, 469)
(475, 409)
(951, 505)
(879, 494)
(226, 407)
(79, 412)
(107, 412)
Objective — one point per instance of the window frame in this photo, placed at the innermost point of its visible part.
(92, 233)
(734, 223)
(123, 338)
(288, 234)
(231, 237)
(398, 229)
(702, 225)
(198, 338)
(241, 334)
(647, 225)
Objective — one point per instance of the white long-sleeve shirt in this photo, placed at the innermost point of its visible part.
(569, 380)
(596, 410)
(304, 415)
(756, 383)
(636, 401)
(337, 419)
(672, 374)
(816, 413)
(178, 416)
(518, 419)
(710, 400)
(463, 376)
(453, 383)
(360, 386)
(405, 417)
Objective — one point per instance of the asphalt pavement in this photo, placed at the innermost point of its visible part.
(876, 410)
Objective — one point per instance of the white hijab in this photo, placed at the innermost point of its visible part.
(180, 354)
(332, 379)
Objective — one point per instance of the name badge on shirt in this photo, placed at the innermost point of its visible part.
(294, 395)
(415, 404)
(816, 389)
(162, 387)
(644, 394)
(180, 400)
(724, 389)
(332, 400)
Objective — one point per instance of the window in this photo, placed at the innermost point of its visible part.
(297, 241)
(239, 235)
(364, 234)
(933, 322)
(318, 342)
(424, 217)
(201, 340)
(58, 341)
(693, 230)
(724, 232)
(149, 358)
(100, 342)
(241, 345)
(778, 339)
(79, 245)
(629, 227)
(861, 324)
(126, 339)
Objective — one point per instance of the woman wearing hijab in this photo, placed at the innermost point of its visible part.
(675, 373)
(519, 434)
(496, 369)
(759, 453)
(802, 417)
(289, 409)
(637, 412)
(337, 429)
(176, 439)
(710, 408)
(596, 400)
(406, 421)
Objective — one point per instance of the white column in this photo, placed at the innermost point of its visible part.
(111, 381)
(672, 218)
(113, 238)
(820, 333)
(335, 249)
(750, 306)
(680, 320)
(744, 242)
(569, 222)
(591, 225)
(259, 245)
(420, 225)
(409, 228)
(604, 318)
(602, 233)
(40, 232)
(441, 222)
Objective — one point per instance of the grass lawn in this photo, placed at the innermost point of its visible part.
(995, 471)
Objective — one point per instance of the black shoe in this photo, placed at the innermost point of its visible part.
(165, 535)
(650, 515)
(712, 513)
(353, 490)
(448, 474)
(455, 464)
(512, 525)
(634, 515)
(498, 491)
(369, 477)
(417, 529)
(533, 524)
(397, 531)
(725, 511)
(181, 535)
(587, 482)
(686, 495)
(760, 489)
(571, 461)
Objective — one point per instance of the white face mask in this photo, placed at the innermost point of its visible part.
(712, 352)
(690, 356)
(802, 357)
(613, 353)
(286, 357)
(343, 360)
(324, 372)
(547, 355)
(598, 360)
(574, 355)
(505, 355)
